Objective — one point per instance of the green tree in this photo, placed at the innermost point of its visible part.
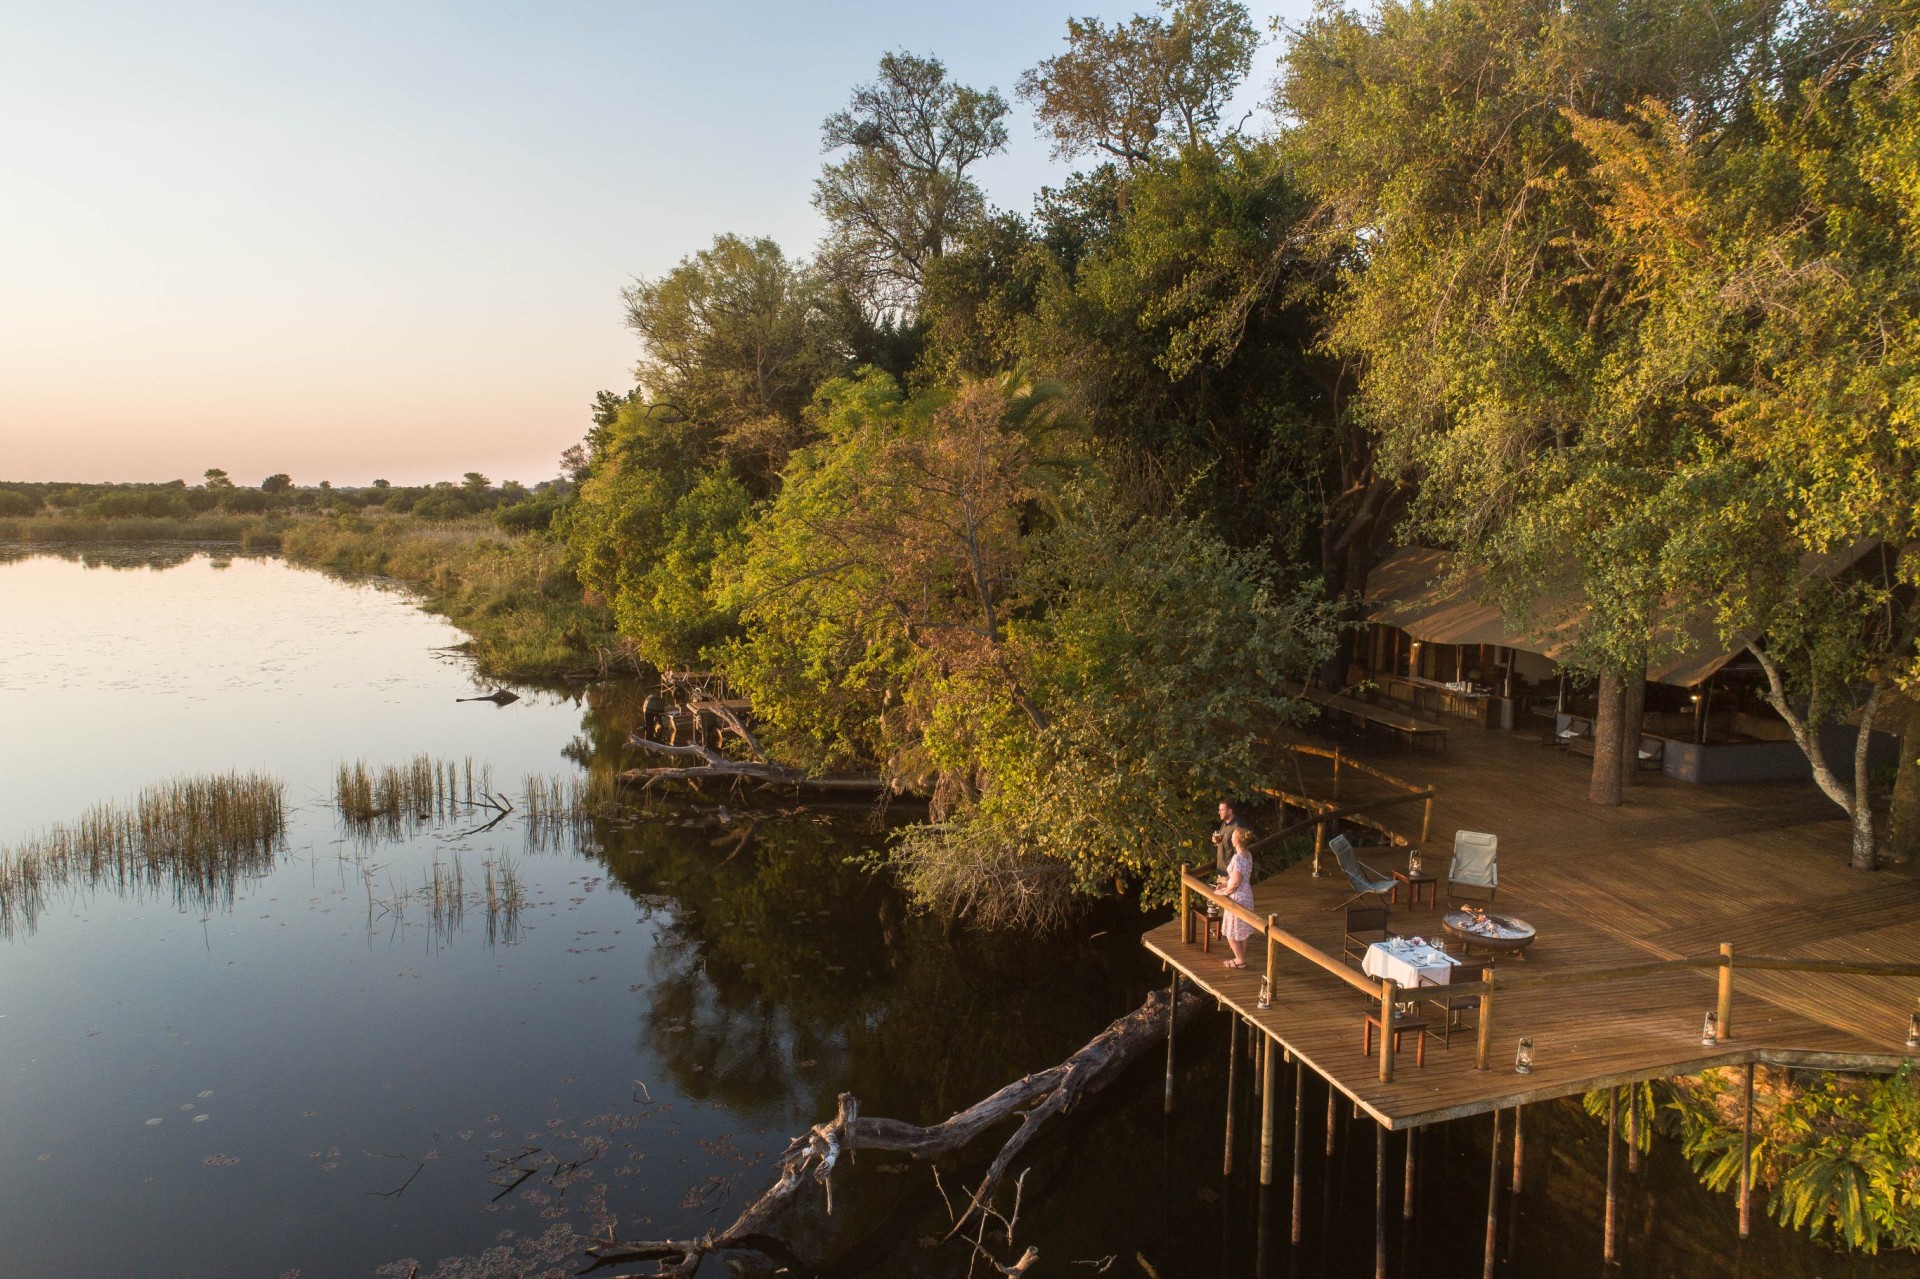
(279, 482)
(903, 192)
(1481, 311)
(735, 337)
(217, 478)
(1145, 87)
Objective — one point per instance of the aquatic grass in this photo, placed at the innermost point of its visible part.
(197, 835)
(390, 801)
(559, 810)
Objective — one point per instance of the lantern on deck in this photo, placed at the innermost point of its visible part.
(1266, 992)
(1913, 1031)
(1710, 1030)
(1523, 1059)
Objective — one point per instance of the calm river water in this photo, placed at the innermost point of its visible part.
(319, 1077)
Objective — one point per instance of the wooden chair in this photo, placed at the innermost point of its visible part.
(1403, 1024)
(1365, 926)
(1455, 997)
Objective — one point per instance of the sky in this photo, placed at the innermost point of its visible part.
(356, 240)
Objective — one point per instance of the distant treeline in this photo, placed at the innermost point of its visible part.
(514, 507)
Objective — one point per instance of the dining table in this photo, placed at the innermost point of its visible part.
(1408, 962)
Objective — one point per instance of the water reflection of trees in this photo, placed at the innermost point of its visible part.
(790, 972)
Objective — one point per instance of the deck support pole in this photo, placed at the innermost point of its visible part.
(1746, 1156)
(1519, 1148)
(1493, 1200)
(1406, 1189)
(1173, 1006)
(1299, 1139)
(1633, 1130)
(1379, 1201)
(1607, 1249)
(1266, 1113)
(1723, 1010)
(1233, 1071)
(1333, 1115)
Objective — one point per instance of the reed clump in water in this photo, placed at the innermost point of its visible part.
(199, 835)
(560, 809)
(385, 802)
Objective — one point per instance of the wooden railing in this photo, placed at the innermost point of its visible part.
(1327, 810)
(1277, 938)
(1387, 991)
(1723, 1002)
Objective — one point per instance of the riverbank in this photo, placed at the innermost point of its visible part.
(252, 532)
(515, 595)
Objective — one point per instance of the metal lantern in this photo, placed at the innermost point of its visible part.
(1523, 1059)
(1413, 861)
(1266, 992)
(1710, 1030)
(1913, 1031)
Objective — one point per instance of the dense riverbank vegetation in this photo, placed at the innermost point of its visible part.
(1623, 317)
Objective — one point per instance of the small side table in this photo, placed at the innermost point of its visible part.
(1206, 924)
(1402, 1025)
(1415, 880)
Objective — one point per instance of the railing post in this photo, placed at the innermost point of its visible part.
(1186, 917)
(1724, 1012)
(1267, 992)
(1319, 842)
(1388, 989)
(1426, 819)
(1336, 772)
(1484, 1051)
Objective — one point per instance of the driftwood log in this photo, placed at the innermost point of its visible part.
(814, 1155)
(711, 765)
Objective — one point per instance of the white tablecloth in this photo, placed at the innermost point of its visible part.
(1407, 963)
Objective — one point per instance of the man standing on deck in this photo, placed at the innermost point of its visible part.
(1223, 838)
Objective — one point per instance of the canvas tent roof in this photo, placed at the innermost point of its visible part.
(1414, 589)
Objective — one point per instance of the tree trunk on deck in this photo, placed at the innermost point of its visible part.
(1604, 788)
(1903, 821)
(1633, 720)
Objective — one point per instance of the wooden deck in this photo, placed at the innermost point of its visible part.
(1672, 874)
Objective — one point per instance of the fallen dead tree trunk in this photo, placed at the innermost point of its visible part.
(813, 1156)
(713, 766)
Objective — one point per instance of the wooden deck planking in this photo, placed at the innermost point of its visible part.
(1674, 872)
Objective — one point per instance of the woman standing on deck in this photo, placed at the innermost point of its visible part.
(1239, 887)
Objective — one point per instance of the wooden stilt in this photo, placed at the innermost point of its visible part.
(1333, 1116)
(1607, 1250)
(1379, 1201)
(1746, 1157)
(1173, 1004)
(1266, 1115)
(1233, 1071)
(1633, 1129)
(1406, 1190)
(1299, 1138)
(1493, 1200)
(1519, 1148)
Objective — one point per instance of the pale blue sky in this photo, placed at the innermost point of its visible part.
(349, 240)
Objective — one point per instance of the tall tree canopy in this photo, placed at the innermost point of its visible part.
(1144, 87)
(903, 191)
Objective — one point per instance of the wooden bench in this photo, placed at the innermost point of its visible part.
(1406, 727)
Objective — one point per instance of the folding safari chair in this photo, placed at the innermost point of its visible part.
(1475, 863)
(1366, 881)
